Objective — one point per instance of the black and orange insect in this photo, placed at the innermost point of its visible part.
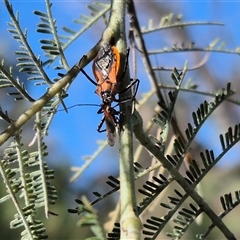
(106, 68)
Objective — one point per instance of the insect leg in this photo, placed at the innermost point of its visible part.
(86, 75)
(100, 125)
(134, 82)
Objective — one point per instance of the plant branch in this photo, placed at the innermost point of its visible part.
(181, 25)
(88, 160)
(25, 43)
(130, 223)
(15, 84)
(209, 94)
(16, 203)
(142, 48)
(41, 162)
(51, 92)
(194, 49)
(56, 38)
(153, 150)
(146, 60)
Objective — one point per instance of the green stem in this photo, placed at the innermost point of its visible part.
(130, 223)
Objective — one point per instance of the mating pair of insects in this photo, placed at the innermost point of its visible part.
(106, 70)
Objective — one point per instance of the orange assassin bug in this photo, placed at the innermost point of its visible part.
(105, 68)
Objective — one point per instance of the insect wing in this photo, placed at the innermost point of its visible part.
(115, 66)
(111, 121)
(106, 64)
(111, 131)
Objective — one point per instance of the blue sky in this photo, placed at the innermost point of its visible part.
(77, 129)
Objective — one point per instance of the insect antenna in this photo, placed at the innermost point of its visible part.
(81, 105)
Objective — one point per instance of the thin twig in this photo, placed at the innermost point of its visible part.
(181, 25)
